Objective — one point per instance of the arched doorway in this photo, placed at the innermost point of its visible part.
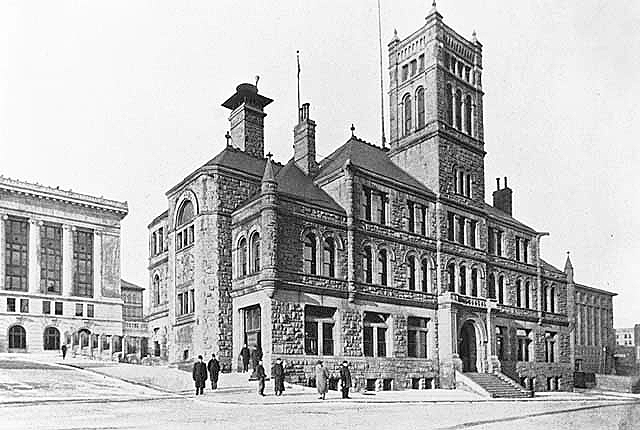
(51, 339)
(84, 335)
(468, 347)
(17, 338)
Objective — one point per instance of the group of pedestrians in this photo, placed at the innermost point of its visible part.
(200, 371)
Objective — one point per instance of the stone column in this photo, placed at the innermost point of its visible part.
(34, 256)
(67, 260)
(3, 245)
(97, 264)
(351, 251)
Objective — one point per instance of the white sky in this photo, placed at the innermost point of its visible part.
(122, 99)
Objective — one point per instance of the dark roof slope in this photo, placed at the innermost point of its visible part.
(129, 286)
(497, 213)
(550, 267)
(371, 158)
(596, 290)
(237, 159)
(292, 181)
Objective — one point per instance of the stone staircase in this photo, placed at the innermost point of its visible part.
(496, 385)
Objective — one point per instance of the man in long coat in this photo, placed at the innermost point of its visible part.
(214, 370)
(199, 375)
(322, 379)
(261, 375)
(345, 379)
(278, 377)
(245, 354)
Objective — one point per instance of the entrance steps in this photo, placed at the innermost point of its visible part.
(494, 385)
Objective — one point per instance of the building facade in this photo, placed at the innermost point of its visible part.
(626, 336)
(386, 257)
(59, 270)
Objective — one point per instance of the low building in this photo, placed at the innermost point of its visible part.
(627, 336)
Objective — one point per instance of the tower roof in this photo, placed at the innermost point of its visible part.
(246, 93)
(268, 175)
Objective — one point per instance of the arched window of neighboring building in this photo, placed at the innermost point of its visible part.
(156, 290)
(242, 257)
(527, 295)
(501, 290)
(425, 268)
(407, 114)
(420, 107)
(518, 293)
(467, 115)
(186, 213)
(310, 254)
(475, 282)
(255, 252)
(450, 103)
(329, 257)
(463, 280)
(492, 286)
(451, 272)
(17, 337)
(383, 267)
(412, 272)
(367, 264)
(458, 105)
(51, 339)
(185, 233)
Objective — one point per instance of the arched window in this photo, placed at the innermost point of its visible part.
(425, 268)
(242, 257)
(501, 290)
(329, 258)
(451, 272)
(186, 213)
(527, 295)
(463, 280)
(383, 267)
(467, 115)
(458, 106)
(420, 107)
(519, 293)
(475, 282)
(255, 252)
(412, 275)
(492, 286)
(450, 102)
(51, 339)
(407, 114)
(552, 299)
(156, 290)
(367, 264)
(185, 234)
(309, 254)
(17, 337)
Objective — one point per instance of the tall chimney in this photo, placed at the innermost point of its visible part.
(247, 119)
(304, 142)
(503, 198)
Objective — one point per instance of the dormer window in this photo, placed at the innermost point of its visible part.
(185, 231)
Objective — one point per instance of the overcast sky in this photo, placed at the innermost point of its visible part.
(122, 99)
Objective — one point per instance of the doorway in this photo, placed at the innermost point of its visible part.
(468, 347)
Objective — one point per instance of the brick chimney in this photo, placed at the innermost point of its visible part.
(304, 142)
(503, 198)
(247, 119)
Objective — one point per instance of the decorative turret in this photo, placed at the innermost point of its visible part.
(269, 184)
(269, 222)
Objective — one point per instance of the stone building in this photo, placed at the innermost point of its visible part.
(59, 270)
(386, 257)
(627, 336)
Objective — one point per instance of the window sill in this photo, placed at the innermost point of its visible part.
(185, 248)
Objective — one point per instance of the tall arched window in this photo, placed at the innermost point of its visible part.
(407, 114)
(475, 282)
(458, 105)
(51, 339)
(242, 256)
(467, 115)
(527, 295)
(383, 267)
(411, 269)
(186, 213)
(492, 286)
(425, 267)
(519, 293)
(450, 102)
(552, 299)
(420, 107)
(309, 254)
(463, 280)
(501, 290)
(17, 337)
(329, 258)
(367, 264)
(184, 230)
(451, 272)
(156, 290)
(255, 252)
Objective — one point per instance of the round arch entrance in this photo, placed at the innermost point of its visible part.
(468, 349)
(51, 339)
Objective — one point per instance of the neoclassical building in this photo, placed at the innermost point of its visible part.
(60, 271)
(388, 257)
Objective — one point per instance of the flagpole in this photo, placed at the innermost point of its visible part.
(298, 58)
(384, 140)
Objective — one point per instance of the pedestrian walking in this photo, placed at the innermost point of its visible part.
(64, 351)
(345, 379)
(261, 375)
(214, 370)
(245, 354)
(278, 377)
(322, 379)
(199, 375)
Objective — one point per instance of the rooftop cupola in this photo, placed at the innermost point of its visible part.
(304, 142)
(247, 119)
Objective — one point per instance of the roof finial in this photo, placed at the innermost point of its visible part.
(257, 79)
(433, 6)
(474, 37)
(353, 130)
(269, 155)
(228, 137)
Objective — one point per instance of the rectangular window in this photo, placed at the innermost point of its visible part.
(179, 307)
(161, 239)
(16, 256)
(381, 208)
(366, 203)
(79, 312)
(550, 347)
(375, 334)
(318, 323)
(498, 243)
(472, 233)
(382, 341)
(417, 337)
(524, 343)
(179, 241)
(83, 263)
(51, 258)
(501, 342)
(460, 232)
(525, 250)
(90, 311)
(24, 306)
(192, 301)
(46, 307)
(414, 67)
(490, 240)
(327, 338)
(412, 215)
(518, 248)
(451, 226)
(368, 341)
(311, 337)
(58, 308)
(405, 72)
(11, 304)
(421, 63)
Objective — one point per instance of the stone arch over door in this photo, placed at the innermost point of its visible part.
(51, 339)
(472, 344)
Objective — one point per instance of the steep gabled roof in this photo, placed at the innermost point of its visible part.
(371, 158)
(292, 181)
(234, 158)
(550, 267)
(129, 286)
(497, 213)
